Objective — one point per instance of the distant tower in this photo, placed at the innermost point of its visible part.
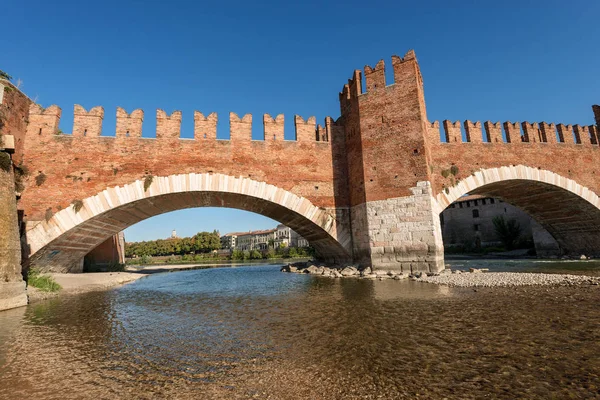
(173, 234)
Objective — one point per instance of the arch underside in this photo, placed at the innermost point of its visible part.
(573, 221)
(65, 252)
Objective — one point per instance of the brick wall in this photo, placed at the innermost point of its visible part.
(83, 164)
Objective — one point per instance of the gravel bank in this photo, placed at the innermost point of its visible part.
(492, 279)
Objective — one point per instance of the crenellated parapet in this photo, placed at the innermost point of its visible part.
(351, 90)
(405, 68)
(512, 132)
(45, 121)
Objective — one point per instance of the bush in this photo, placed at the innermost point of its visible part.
(256, 255)
(508, 231)
(237, 255)
(43, 282)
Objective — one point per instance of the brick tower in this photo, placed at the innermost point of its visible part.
(394, 223)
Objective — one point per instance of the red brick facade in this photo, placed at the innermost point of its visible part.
(380, 170)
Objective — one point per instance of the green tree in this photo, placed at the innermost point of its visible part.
(237, 255)
(508, 231)
(293, 252)
(4, 75)
(256, 255)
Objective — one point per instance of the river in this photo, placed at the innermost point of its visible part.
(253, 332)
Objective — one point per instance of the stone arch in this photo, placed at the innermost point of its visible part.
(62, 241)
(569, 211)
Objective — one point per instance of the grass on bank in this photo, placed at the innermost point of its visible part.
(45, 283)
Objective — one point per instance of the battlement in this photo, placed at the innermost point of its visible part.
(45, 122)
(512, 132)
(403, 68)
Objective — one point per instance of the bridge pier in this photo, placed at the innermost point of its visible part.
(12, 286)
(400, 234)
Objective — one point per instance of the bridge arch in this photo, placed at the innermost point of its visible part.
(60, 243)
(569, 211)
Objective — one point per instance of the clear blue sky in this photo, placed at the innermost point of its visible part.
(510, 60)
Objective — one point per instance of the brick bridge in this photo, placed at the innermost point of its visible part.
(365, 188)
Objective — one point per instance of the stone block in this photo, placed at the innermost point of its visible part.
(12, 295)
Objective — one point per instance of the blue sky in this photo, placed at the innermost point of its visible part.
(525, 60)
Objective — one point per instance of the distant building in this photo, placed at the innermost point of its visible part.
(229, 240)
(263, 240)
(288, 237)
(469, 220)
(174, 234)
(256, 240)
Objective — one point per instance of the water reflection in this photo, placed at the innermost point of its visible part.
(256, 332)
(586, 267)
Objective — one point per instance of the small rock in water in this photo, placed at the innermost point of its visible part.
(349, 271)
(582, 257)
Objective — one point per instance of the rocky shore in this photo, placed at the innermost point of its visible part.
(507, 279)
(315, 268)
(454, 278)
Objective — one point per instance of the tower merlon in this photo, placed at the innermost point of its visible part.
(375, 77)
(406, 68)
(596, 110)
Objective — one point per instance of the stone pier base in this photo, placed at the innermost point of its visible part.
(12, 295)
(400, 234)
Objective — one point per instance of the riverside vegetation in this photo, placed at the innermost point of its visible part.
(203, 247)
(43, 282)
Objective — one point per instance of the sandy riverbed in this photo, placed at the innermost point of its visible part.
(88, 282)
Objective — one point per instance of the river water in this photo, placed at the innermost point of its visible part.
(254, 332)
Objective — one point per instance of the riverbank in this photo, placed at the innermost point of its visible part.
(475, 277)
(94, 281)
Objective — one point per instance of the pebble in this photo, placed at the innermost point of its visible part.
(455, 278)
(504, 279)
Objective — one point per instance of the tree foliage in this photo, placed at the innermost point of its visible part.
(508, 231)
(4, 75)
(202, 242)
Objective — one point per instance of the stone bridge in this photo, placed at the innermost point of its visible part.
(366, 188)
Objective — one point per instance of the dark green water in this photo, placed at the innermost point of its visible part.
(253, 332)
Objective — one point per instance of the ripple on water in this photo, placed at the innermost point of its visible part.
(255, 332)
